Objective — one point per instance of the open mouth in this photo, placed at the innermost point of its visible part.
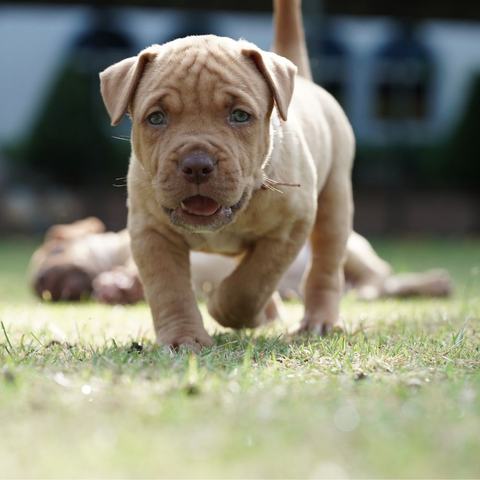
(199, 213)
(200, 206)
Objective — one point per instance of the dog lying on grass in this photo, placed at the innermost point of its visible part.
(82, 260)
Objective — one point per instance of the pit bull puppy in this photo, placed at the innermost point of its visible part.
(214, 122)
(219, 129)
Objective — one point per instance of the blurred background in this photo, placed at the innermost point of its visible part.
(407, 74)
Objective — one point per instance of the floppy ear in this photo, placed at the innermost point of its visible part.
(279, 74)
(119, 81)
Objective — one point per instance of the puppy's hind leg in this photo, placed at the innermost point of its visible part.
(325, 278)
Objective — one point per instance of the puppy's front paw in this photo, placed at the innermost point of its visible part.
(234, 316)
(316, 325)
(194, 341)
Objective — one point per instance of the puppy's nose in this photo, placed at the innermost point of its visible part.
(197, 168)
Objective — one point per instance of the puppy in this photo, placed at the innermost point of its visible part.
(214, 121)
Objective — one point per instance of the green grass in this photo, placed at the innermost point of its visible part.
(397, 395)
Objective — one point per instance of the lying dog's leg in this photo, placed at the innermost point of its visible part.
(432, 283)
(372, 277)
(275, 308)
(365, 271)
(246, 307)
(325, 279)
(176, 317)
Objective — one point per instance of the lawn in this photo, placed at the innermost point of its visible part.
(84, 392)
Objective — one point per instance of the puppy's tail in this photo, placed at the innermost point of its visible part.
(289, 38)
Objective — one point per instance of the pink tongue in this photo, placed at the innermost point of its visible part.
(199, 205)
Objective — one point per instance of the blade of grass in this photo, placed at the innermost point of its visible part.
(8, 340)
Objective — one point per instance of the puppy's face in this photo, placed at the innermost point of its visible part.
(201, 110)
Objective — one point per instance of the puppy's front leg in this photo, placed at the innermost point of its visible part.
(240, 301)
(164, 268)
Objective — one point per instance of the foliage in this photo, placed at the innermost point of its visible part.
(71, 142)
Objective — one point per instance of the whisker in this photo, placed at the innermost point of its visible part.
(277, 134)
(272, 184)
(125, 139)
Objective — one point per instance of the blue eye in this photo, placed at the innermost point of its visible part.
(157, 118)
(239, 116)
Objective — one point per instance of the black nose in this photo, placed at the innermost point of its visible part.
(197, 168)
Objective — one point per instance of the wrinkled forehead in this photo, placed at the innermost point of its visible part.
(205, 70)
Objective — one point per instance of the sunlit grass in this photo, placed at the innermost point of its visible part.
(85, 393)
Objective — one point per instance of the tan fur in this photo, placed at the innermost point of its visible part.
(64, 267)
(75, 230)
(198, 82)
(112, 277)
(289, 35)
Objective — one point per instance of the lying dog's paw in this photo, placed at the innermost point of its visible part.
(437, 283)
(117, 287)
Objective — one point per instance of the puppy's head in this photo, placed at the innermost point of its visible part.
(201, 110)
